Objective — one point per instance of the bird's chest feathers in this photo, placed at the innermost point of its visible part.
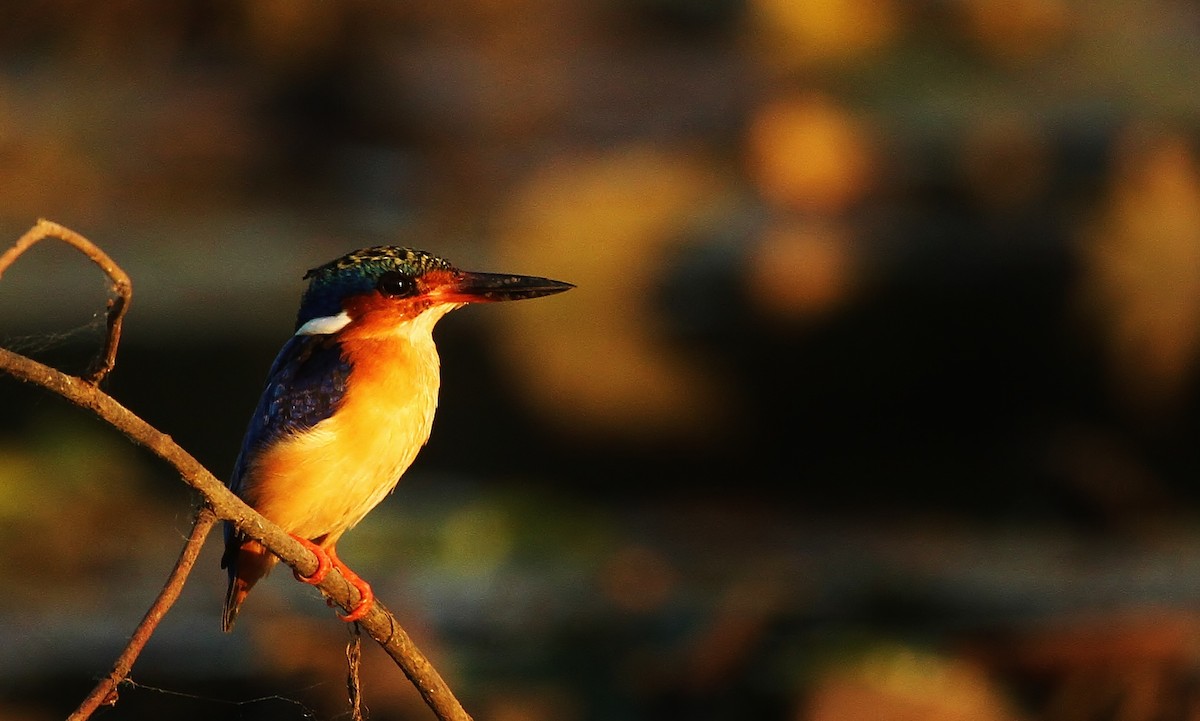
(388, 411)
(325, 479)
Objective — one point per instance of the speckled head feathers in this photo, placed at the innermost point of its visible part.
(358, 272)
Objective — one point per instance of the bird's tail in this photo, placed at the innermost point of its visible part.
(247, 561)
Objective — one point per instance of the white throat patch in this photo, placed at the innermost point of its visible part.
(324, 325)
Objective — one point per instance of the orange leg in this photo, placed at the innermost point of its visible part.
(324, 562)
(366, 598)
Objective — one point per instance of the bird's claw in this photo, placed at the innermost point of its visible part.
(324, 562)
(366, 597)
(366, 602)
(327, 559)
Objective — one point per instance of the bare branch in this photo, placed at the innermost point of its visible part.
(379, 623)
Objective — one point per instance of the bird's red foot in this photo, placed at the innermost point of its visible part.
(324, 562)
(366, 597)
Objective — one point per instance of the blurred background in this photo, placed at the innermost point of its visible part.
(877, 397)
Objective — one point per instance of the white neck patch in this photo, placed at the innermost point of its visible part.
(324, 325)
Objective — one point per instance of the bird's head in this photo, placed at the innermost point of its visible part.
(381, 289)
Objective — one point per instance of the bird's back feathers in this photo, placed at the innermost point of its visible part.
(306, 384)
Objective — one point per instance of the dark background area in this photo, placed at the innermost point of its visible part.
(877, 397)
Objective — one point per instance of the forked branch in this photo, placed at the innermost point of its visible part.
(379, 623)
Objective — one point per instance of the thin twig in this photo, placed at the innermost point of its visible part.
(105, 692)
(380, 624)
(353, 665)
(122, 287)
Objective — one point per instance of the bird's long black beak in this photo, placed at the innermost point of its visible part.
(494, 287)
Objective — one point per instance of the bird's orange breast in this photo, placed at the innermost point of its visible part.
(320, 482)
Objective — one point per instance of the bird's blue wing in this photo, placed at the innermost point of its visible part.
(306, 384)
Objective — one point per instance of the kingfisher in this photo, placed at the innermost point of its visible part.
(349, 401)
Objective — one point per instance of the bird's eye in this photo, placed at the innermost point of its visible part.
(396, 285)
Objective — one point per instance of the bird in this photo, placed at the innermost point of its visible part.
(348, 403)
